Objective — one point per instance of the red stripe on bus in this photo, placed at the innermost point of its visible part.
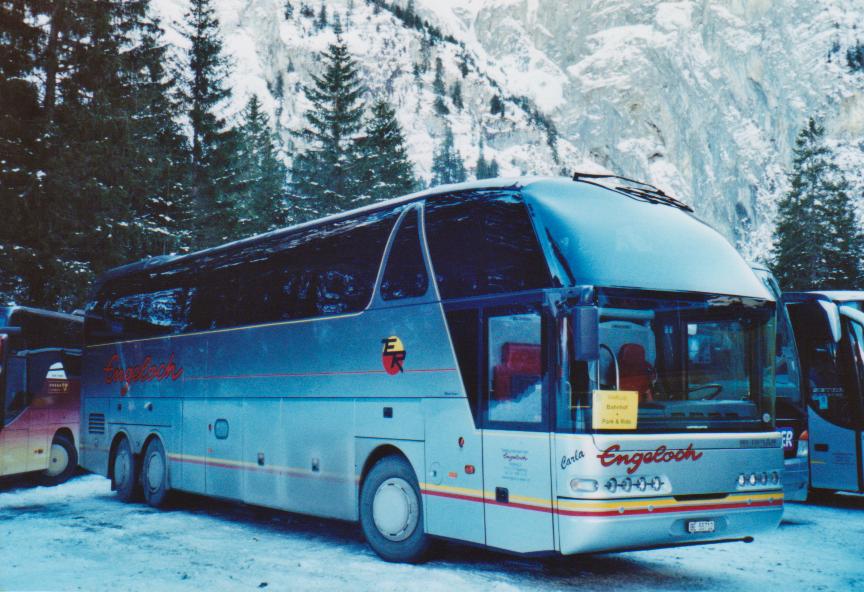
(304, 374)
(608, 513)
(668, 510)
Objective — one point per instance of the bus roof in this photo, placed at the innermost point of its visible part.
(158, 261)
(832, 295)
(670, 237)
(6, 313)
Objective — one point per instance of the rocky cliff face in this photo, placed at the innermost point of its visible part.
(702, 98)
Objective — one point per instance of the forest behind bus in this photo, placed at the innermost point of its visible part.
(137, 128)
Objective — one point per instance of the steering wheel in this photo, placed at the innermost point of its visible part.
(718, 388)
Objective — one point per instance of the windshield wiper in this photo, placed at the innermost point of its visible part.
(636, 190)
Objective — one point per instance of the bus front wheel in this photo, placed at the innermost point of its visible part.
(391, 511)
(154, 474)
(124, 475)
(63, 461)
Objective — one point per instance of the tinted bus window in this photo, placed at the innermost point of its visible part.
(483, 243)
(405, 275)
(319, 271)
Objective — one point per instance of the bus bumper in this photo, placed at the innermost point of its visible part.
(658, 523)
(796, 479)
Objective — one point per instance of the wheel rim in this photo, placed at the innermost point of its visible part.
(121, 467)
(395, 509)
(155, 471)
(58, 462)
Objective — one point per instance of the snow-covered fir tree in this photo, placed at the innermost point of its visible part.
(20, 125)
(324, 175)
(447, 163)
(486, 169)
(260, 192)
(205, 95)
(386, 171)
(818, 243)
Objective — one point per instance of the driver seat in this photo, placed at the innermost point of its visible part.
(636, 374)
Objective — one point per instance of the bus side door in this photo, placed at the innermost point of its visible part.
(14, 445)
(829, 372)
(516, 440)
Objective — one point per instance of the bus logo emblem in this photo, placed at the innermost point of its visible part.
(393, 355)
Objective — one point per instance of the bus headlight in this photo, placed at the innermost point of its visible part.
(584, 485)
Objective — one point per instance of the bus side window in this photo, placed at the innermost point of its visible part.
(483, 243)
(515, 383)
(405, 275)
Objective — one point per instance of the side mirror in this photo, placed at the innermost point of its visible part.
(586, 333)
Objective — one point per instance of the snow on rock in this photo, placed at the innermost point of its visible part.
(704, 98)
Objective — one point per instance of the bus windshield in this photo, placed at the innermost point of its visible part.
(695, 364)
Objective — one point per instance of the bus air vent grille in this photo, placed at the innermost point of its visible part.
(96, 423)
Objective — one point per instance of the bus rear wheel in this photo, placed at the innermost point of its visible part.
(154, 474)
(391, 511)
(124, 476)
(63, 461)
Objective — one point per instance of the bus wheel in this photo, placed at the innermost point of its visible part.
(123, 476)
(391, 511)
(63, 461)
(154, 474)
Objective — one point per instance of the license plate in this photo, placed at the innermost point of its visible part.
(700, 526)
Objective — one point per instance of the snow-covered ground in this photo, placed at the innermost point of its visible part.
(78, 536)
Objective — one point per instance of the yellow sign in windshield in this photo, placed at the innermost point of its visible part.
(615, 410)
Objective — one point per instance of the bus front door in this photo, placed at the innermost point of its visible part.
(516, 440)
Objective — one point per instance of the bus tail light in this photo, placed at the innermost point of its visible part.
(469, 469)
(803, 444)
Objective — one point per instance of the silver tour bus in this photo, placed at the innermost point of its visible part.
(829, 328)
(536, 365)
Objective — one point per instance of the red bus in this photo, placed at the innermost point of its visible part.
(40, 371)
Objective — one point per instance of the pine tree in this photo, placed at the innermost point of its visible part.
(321, 21)
(817, 240)
(261, 190)
(456, 95)
(496, 106)
(288, 10)
(20, 128)
(387, 171)
(324, 176)
(205, 95)
(485, 169)
(438, 82)
(447, 164)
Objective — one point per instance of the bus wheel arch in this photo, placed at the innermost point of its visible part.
(123, 468)
(391, 507)
(154, 474)
(63, 459)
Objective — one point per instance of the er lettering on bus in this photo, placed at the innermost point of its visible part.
(393, 355)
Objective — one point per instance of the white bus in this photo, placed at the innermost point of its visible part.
(536, 365)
